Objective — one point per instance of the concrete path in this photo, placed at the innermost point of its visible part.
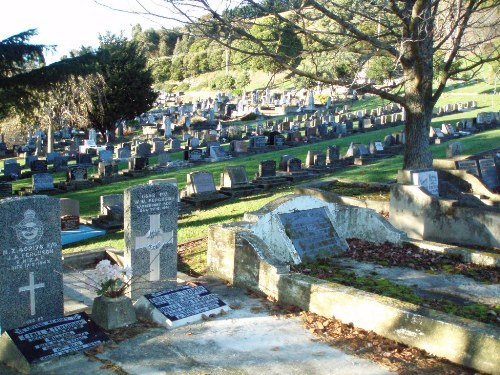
(456, 288)
(247, 340)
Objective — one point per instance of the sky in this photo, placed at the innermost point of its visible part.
(70, 24)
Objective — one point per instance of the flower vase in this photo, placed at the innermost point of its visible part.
(111, 313)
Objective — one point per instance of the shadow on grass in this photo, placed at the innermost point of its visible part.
(210, 220)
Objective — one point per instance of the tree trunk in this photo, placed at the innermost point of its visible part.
(417, 135)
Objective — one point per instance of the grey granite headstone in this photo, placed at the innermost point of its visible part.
(267, 168)
(234, 176)
(110, 200)
(42, 181)
(312, 233)
(31, 262)
(202, 182)
(105, 155)
(12, 169)
(150, 225)
(163, 159)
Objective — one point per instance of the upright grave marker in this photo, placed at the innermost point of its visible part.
(150, 224)
(31, 262)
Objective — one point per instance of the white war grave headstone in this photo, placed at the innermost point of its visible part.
(150, 225)
(31, 262)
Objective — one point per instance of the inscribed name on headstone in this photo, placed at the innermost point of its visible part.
(31, 262)
(312, 233)
(150, 225)
(202, 182)
(54, 338)
(427, 180)
(489, 173)
(182, 305)
(469, 166)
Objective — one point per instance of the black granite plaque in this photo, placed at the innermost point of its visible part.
(38, 166)
(267, 168)
(5, 190)
(489, 173)
(76, 174)
(84, 159)
(53, 338)
(469, 166)
(184, 302)
(294, 165)
(312, 233)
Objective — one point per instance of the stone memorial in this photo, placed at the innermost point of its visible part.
(150, 225)
(34, 343)
(39, 166)
(312, 234)
(267, 168)
(218, 152)
(427, 179)
(294, 165)
(138, 163)
(489, 173)
(85, 159)
(332, 154)
(233, 177)
(5, 190)
(470, 166)
(105, 156)
(42, 181)
(200, 183)
(12, 170)
(195, 154)
(258, 141)
(163, 159)
(75, 174)
(31, 262)
(143, 149)
(70, 214)
(123, 153)
(179, 306)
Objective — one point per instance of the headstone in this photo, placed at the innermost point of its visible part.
(489, 173)
(233, 177)
(5, 190)
(158, 147)
(239, 146)
(195, 154)
(427, 179)
(454, 149)
(310, 157)
(312, 233)
(163, 159)
(105, 156)
(294, 165)
(179, 306)
(319, 160)
(258, 141)
(151, 236)
(123, 153)
(76, 174)
(279, 141)
(70, 214)
(217, 152)
(104, 169)
(85, 159)
(110, 200)
(137, 163)
(332, 154)
(389, 140)
(201, 183)
(470, 166)
(31, 262)
(175, 144)
(267, 168)
(12, 170)
(42, 181)
(39, 166)
(51, 156)
(143, 149)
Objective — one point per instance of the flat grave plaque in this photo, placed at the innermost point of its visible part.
(489, 173)
(312, 233)
(53, 338)
(469, 166)
(183, 305)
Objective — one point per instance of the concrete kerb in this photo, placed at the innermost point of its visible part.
(459, 340)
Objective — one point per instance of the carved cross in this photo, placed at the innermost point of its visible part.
(153, 241)
(31, 288)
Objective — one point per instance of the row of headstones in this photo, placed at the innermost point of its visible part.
(31, 298)
(452, 108)
(487, 169)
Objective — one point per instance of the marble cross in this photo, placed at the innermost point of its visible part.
(153, 241)
(31, 288)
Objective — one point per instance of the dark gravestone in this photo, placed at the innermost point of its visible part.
(294, 165)
(38, 166)
(31, 262)
(28, 159)
(310, 157)
(60, 164)
(76, 174)
(279, 141)
(332, 154)
(42, 181)
(312, 233)
(323, 130)
(143, 149)
(84, 159)
(12, 170)
(50, 339)
(319, 160)
(284, 162)
(70, 214)
(104, 169)
(389, 140)
(201, 182)
(5, 190)
(270, 138)
(137, 163)
(184, 304)
(150, 226)
(105, 156)
(123, 153)
(489, 173)
(267, 168)
(258, 141)
(469, 166)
